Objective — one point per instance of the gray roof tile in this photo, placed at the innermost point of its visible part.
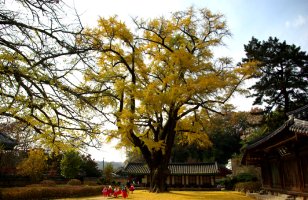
(175, 168)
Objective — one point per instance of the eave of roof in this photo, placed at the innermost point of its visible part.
(294, 124)
(193, 168)
(297, 124)
(299, 127)
(299, 113)
(175, 169)
(271, 135)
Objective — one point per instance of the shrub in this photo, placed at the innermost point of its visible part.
(102, 181)
(90, 183)
(246, 177)
(33, 185)
(49, 192)
(48, 183)
(230, 182)
(74, 182)
(252, 186)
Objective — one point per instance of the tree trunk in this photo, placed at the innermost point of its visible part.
(158, 178)
(158, 161)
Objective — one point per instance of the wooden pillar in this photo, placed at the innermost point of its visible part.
(213, 180)
(270, 177)
(281, 172)
(300, 168)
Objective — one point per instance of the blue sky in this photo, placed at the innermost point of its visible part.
(285, 19)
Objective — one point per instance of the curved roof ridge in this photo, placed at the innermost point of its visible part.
(192, 163)
(298, 111)
(271, 134)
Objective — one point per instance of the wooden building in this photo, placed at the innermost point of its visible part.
(181, 174)
(283, 156)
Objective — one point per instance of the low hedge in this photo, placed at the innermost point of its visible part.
(48, 183)
(90, 183)
(49, 192)
(252, 186)
(230, 182)
(74, 182)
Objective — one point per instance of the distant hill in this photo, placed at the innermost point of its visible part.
(115, 165)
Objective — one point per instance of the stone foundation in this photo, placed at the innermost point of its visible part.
(259, 196)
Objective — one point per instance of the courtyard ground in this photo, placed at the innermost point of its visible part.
(177, 195)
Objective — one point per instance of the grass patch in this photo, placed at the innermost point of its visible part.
(177, 195)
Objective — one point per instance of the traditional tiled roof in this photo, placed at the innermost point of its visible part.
(136, 168)
(175, 169)
(6, 142)
(296, 125)
(300, 113)
(300, 127)
(193, 169)
(269, 136)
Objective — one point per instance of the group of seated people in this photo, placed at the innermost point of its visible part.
(117, 191)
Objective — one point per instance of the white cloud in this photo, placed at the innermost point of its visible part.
(299, 21)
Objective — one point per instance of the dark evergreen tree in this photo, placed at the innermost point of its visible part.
(282, 74)
(89, 166)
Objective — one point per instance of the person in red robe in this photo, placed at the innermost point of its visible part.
(116, 192)
(124, 192)
(131, 188)
(109, 191)
(105, 191)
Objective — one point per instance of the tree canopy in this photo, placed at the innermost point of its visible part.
(161, 79)
(71, 164)
(225, 131)
(39, 69)
(34, 166)
(282, 74)
(89, 166)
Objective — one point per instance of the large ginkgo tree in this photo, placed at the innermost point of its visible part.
(161, 79)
